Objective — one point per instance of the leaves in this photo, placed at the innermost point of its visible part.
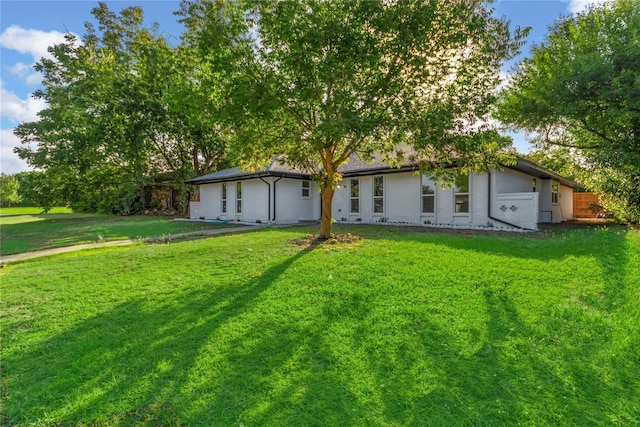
(580, 89)
(320, 81)
(122, 109)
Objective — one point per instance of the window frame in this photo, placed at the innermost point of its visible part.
(431, 195)
(223, 198)
(555, 192)
(462, 194)
(239, 197)
(355, 198)
(306, 188)
(380, 196)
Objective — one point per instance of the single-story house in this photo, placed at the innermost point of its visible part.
(516, 197)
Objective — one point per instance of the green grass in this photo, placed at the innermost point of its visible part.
(402, 329)
(27, 229)
(27, 210)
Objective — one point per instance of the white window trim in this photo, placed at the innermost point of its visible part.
(435, 207)
(468, 194)
(557, 193)
(224, 201)
(373, 196)
(308, 188)
(238, 199)
(354, 198)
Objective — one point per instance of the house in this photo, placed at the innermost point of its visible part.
(517, 197)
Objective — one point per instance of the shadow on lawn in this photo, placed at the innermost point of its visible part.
(254, 354)
(169, 365)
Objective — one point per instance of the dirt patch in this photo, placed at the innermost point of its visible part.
(339, 240)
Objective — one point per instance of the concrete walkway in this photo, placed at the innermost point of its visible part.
(54, 251)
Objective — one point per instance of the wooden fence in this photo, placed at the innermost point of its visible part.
(581, 204)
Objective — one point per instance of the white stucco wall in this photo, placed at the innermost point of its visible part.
(291, 206)
(510, 181)
(254, 201)
(259, 201)
(402, 201)
(517, 208)
(206, 208)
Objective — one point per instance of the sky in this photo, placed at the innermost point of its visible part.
(27, 28)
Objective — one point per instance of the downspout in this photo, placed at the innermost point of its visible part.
(269, 198)
(274, 198)
(494, 218)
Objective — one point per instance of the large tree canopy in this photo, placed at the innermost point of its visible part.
(580, 90)
(318, 81)
(120, 111)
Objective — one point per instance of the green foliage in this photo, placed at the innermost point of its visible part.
(117, 117)
(579, 90)
(559, 160)
(402, 329)
(9, 189)
(319, 81)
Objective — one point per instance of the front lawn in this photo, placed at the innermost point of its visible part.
(27, 229)
(403, 328)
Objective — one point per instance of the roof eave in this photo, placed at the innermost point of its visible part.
(530, 168)
(245, 177)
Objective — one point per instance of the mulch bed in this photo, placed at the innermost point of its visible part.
(312, 240)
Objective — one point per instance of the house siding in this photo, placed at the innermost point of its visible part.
(513, 201)
(289, 204)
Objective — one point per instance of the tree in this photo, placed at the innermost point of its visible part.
(9, 189)
(560, 160)
(580, 90)
(93, 140)
(319, 81)
(122, 109)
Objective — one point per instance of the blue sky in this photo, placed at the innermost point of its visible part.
(28, 27)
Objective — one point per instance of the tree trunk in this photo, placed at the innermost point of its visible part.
(325, 222)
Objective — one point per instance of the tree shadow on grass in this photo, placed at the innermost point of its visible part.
(263, 353)
(577, 363)
(130, 363)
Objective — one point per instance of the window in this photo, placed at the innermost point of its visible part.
(461, 194)
(238, 197)
(378, 194)
(428, 196)
(354, 195)
(554, 192)
(534, 183)
(224, 197)
(305, 189)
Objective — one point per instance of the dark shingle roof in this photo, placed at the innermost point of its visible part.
(276, 168)
(357, 167)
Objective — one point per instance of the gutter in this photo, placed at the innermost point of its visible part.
(489, 210)
(269, 197)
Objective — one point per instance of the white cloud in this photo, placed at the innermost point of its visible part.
(9, 161)
(576, 6)
(33, 42)
(27, 73)
(19, 110)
